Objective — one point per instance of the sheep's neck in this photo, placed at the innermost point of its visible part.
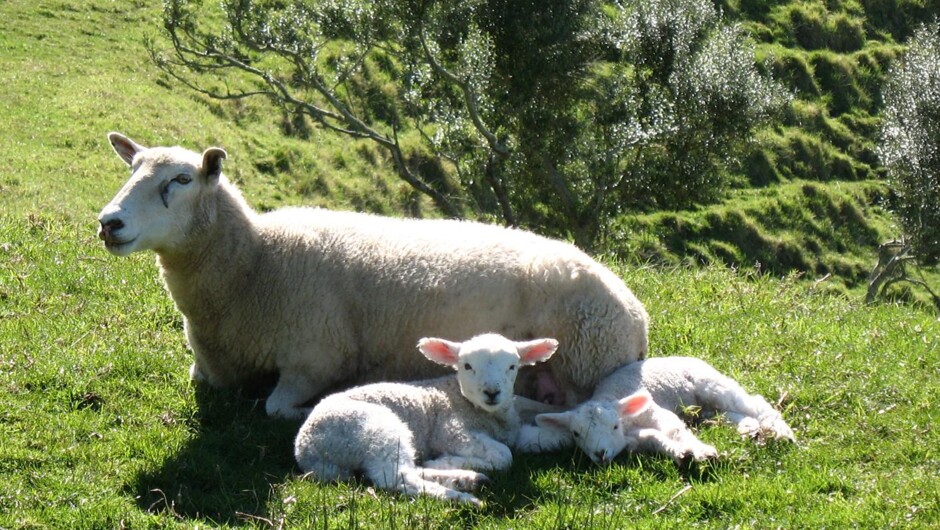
(203, 277)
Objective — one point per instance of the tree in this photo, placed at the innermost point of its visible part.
(549, 114)
(910, 150)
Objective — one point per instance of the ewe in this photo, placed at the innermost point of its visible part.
(646, 421)
(327, 298)
(452, 424)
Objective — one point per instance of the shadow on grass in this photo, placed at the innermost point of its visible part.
(226, 471)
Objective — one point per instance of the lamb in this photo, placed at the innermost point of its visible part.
(326, 299)
(453, 424)
(646, 419)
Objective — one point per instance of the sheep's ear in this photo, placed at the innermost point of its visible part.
(124, 146)
(536, 351)
(212, 163)
(560, 421)
(440, 351)
(634, 404)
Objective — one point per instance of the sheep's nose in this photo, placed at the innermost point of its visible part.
(491, 394)
(600, 455)
(109, 225)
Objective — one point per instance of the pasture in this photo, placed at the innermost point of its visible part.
(101, 428)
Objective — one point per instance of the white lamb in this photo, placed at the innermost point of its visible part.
(452, 424)
(646, 420)
(327, 298)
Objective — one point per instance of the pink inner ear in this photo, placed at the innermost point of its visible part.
(439, 351)
(537, 350)
(635, 404)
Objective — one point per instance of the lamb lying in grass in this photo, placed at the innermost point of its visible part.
(646, 419)
(452, 424)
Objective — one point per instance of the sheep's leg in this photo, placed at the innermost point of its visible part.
(477, 451)
(751, 414)
(407, 479)
(196, 374)
(536, 439)
(679, 446)
(458, 479)
(293, 389)
(324, 471)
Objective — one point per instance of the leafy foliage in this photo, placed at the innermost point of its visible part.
(910, 147)
(555, 117)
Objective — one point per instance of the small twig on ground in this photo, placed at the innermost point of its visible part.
(672, 499)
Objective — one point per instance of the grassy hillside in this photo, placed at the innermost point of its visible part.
(812, 196)
(100, 427)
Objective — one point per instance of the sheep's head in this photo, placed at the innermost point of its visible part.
(597, 426)
(160, 204)
(487, 365)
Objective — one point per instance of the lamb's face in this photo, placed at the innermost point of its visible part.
(157, 207)
(487, 376)
(595, 427)
(487, 365)
(599, 427)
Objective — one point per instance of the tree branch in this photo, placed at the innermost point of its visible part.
(470, 99)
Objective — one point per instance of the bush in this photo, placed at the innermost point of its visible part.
(910, 146)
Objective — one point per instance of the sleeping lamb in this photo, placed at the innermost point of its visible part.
(646, 419)
(324, 298)
(453, 424)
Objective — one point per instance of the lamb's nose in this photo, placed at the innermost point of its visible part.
(491, 394)
(601, 455)
(107, 226)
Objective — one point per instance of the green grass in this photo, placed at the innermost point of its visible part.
(101, 428)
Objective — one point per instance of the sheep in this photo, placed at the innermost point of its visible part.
(325, 299)
(646, 419)
(454, 424)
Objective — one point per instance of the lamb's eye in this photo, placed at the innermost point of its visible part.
(466, 366)
(616, 427)
(512, 367)
(576, 434)
(182, 178)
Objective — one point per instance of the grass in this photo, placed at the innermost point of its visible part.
(101, 428)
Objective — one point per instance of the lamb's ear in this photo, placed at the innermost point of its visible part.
(212, 163)
(634, 404)
(440, 351)
(124, 146)
(560, 421)
(536, 351)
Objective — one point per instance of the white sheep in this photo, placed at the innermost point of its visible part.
(452, 424)
(657, 389)
(326, 298)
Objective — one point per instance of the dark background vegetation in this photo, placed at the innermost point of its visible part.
(737, 132)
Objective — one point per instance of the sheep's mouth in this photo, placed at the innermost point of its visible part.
(118, 246)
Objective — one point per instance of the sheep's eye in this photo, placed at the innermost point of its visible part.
(616, 427)
(512, 367)
(576, 434)
(182, 178)
(466, 366)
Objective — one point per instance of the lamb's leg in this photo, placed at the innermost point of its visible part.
(293, 389)
(458, 479)
(536, 439)
(751, 414)
(322, 470)
(656, 441)
(476, 451)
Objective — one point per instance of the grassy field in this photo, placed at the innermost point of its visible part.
(100, 427)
